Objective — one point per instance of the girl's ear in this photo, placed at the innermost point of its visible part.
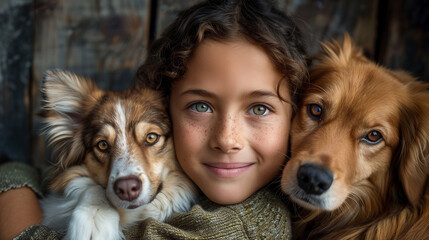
(66, 98)
(413, 152)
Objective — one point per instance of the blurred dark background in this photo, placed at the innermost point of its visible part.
(106, 40)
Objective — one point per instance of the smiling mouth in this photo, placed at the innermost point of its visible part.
(228, 170)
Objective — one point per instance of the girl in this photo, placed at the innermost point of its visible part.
(231, 71)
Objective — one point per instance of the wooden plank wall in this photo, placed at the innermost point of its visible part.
(327, 20)
(15, 65)
(106, 40)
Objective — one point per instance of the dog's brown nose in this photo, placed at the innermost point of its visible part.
(314, 179)
(128, 188)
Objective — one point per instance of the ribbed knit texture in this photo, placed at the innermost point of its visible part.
(262, 216)
(39, 232)
(16, 175)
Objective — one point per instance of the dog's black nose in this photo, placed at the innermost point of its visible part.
(128, 188)
(314, 179)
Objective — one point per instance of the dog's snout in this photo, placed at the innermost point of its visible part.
(314, 179)
(128, 188)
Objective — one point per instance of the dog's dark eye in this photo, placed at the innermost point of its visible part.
(151, 139)
(314, 111)
(102, 145)
(373, 137)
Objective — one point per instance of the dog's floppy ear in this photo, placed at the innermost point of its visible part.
(413, 152)
(65, 98)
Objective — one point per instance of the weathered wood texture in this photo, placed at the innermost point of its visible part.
(106, 40)
(167, 11)
(15, 65)
(325, 20)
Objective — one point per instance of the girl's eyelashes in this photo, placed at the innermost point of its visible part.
(200, 107)
(259, 110)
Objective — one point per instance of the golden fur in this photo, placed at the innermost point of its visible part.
(100, 139)
(379, 188)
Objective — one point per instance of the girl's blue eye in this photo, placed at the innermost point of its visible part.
(259, 110)
(200, 107)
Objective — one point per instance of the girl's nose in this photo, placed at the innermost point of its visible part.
(227, 135)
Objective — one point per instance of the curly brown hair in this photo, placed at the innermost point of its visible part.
(257, 21)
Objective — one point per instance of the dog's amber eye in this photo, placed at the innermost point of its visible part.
(102, 145)
(314, 111)
(373, 137)
(151, 139)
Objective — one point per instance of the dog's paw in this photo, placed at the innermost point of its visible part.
(130, 217)
(94, 223)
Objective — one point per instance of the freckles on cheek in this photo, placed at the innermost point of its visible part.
(187, 136)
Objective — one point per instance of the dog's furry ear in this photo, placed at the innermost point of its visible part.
(65, 100)
(335, 54)
(413, 152)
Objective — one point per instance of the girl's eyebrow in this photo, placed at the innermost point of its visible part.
(204, 93)
(269, 94)
(261, 93)
(199, 92)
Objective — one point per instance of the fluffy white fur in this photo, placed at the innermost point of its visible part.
(82, 212)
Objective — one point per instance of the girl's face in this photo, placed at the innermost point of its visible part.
(230, 127)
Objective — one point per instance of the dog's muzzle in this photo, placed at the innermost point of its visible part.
(314, 179)
(128, 188)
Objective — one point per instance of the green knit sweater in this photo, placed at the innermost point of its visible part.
(262, 216)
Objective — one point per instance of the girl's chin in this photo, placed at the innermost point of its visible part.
(228, 195)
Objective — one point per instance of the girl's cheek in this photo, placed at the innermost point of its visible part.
(191, 128)
(272, 138)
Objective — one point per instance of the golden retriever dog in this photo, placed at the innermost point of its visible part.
(115, 159)
(359, 151)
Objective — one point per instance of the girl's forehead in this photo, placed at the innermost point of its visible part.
(213, 53)
(234, 64)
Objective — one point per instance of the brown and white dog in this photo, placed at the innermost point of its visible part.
(115, 156)
(359, 151)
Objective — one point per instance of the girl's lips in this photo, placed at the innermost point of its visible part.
(228, 170)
